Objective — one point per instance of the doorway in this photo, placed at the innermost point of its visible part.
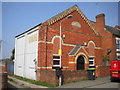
(80, 63)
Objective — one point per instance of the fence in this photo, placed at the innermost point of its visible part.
(10, 67)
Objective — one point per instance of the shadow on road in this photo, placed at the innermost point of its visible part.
(116, 81)
(10, 86)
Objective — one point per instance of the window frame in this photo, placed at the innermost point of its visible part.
(92, 60)
(117, 44)
(56, 59)
(118, 54)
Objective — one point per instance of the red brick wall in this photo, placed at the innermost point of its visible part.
(91, 50)
(76, 17)
(49, 76)
(56, 45)
(74, 36)
(3, 77)
(69, 76)
(102, 71)
(98, 57)
(107, 39)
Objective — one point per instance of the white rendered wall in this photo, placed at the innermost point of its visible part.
(26, 53)
(31, 55)
(19, 56)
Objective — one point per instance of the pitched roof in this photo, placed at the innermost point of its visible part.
(28, 30)
(113, 30)
(110, 29)
(67, 12)
(74, 50)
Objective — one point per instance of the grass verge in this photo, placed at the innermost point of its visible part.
(34, 81)
(11, 80)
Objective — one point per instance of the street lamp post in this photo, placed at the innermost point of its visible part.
(60, 48)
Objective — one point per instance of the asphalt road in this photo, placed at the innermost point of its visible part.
(97, 83)
(107, 85)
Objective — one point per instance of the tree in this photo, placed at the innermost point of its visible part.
(13, 55)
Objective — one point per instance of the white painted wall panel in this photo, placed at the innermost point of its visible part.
(26, 52)
(19, 56)
(31, 50)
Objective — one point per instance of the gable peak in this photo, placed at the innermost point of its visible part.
(66, 13)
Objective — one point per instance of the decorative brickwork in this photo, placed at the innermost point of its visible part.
(87, 40)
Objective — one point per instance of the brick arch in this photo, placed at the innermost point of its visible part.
(85, 58)
(56, 36)
(82, 54)
(91, 46)
(92, 43)
(56, 43)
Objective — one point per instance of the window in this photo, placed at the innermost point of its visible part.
(76, 24)
(118, 56)
(118, 44)
(56, 61)
(91, 61)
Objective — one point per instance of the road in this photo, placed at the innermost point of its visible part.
(107, 85)
(98, 83)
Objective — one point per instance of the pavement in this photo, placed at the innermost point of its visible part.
(22, 84)
(13, 85)
(97, 83)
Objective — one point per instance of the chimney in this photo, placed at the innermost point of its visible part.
(117, 27)
(100, 20)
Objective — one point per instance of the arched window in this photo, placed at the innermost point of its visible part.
(80, 63)
(56, 45)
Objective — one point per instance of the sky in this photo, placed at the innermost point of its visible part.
(18, 17)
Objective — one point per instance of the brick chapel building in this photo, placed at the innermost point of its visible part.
(85, 44)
